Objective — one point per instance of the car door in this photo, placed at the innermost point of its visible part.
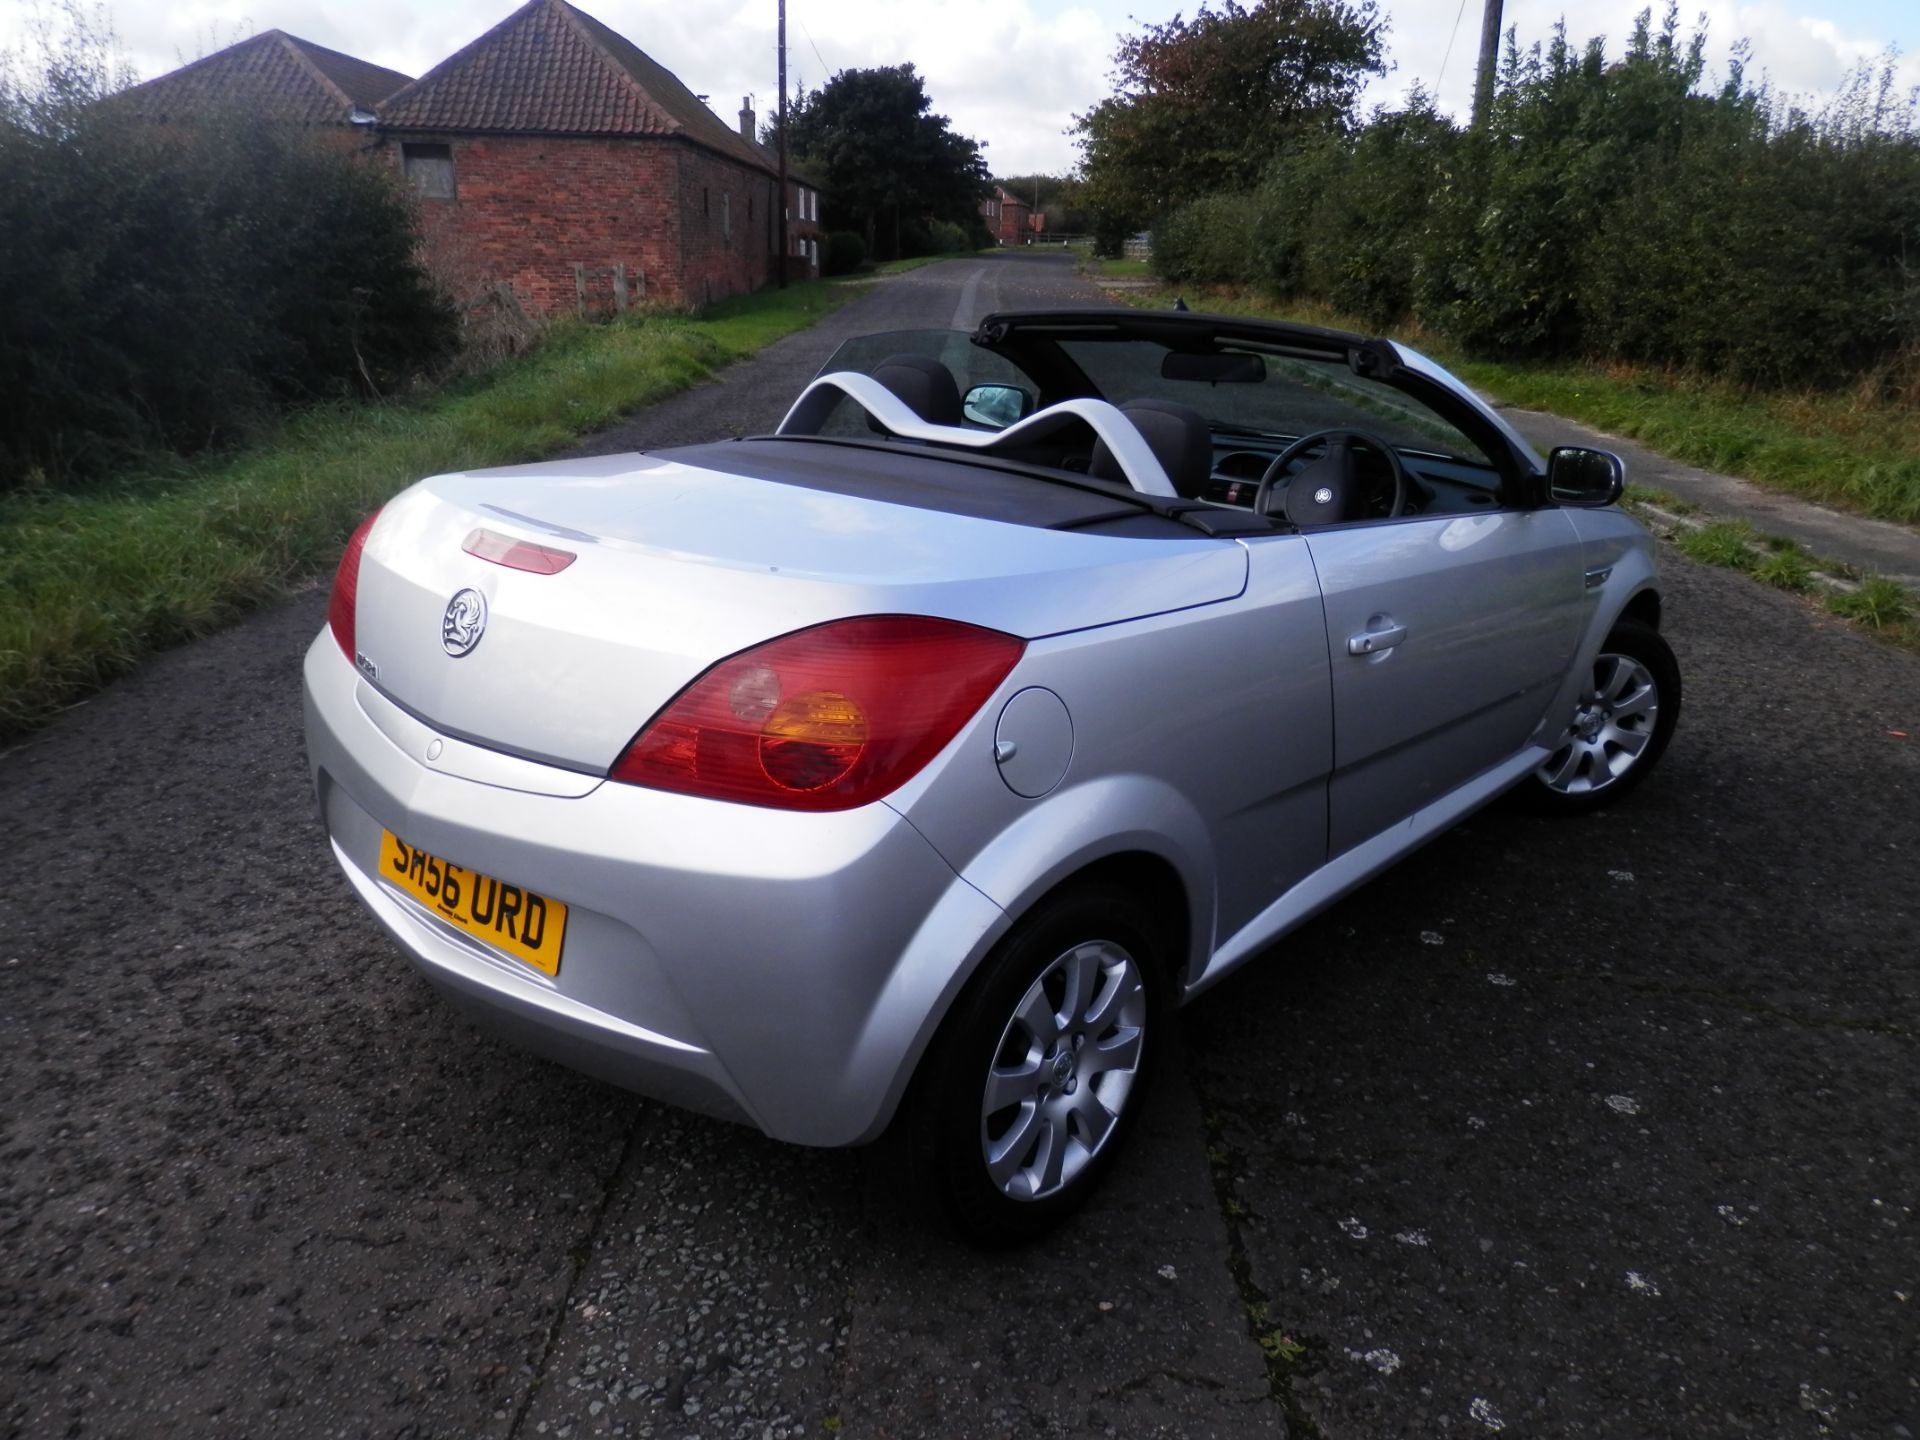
(1448, 636)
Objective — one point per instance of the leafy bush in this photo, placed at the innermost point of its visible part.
(934, 237)
(1365, 207)
(1111, 229)
(170, 286)
(1213, 241)
(1765, 247)
(947, 238)
(1608, 210)
(846, 253)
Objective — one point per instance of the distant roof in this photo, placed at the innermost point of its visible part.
(552, 69)
(290, 78)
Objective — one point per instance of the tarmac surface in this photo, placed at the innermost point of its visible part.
(1588, 1128)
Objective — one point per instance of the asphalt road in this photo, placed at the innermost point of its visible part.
(1593, 1128)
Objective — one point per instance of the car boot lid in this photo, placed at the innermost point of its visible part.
(675, 566)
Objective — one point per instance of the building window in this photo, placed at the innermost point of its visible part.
(429, 170)
(726, 214)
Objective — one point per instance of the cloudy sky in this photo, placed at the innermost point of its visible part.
(1010, 72)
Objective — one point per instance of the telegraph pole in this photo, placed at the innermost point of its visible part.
(1489, 64)
(783, 144)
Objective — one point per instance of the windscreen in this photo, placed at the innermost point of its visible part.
(1291, 396)
(970, 364)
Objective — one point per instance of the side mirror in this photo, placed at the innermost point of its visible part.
(1586, 479)
(995, 406)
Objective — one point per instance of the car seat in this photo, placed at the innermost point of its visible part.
(924, 385)
(1179, 438)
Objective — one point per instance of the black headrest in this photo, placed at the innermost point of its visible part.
(1178, 436)
(925, 386)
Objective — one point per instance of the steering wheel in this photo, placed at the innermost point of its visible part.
(1328, 490)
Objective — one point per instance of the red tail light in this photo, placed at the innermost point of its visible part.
(822, 719)
(346, 588)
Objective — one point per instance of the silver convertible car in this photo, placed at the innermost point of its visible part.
(903, 767)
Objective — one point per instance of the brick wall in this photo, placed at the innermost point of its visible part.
(527, 210)
(727, 226)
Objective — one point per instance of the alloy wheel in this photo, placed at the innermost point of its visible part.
(1613, 723)
(1063, 1071)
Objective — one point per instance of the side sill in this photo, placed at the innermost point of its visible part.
(1360, 864)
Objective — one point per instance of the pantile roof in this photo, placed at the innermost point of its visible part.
(365, 84)
(289, 78)
(551, 69)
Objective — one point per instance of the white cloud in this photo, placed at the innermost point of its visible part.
(1005, 74)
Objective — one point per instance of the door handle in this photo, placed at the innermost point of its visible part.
(1372, 642)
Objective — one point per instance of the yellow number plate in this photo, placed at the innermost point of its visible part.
(527, 926)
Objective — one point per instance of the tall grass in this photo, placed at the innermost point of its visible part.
(1857, 448)
(90, 584)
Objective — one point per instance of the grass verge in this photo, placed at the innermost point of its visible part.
(90, 584)
(1855, 449)
(1883, 607)
(1106, 268)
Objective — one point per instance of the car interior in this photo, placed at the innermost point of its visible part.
(1304, 432)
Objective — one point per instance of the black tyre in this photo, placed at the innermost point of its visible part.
(1621, 722)
(1039, 1073)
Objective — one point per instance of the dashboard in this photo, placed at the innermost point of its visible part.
(1437, 484)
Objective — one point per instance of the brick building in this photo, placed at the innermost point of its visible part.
(564, 160)
(1010, 220)
(551, 155)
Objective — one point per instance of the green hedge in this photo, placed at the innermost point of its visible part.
(1609, 211)
(169, 287)
(846, 252)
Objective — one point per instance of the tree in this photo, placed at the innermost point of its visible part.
(170, 286)
(1058, 196)
(1204, 105)
(886, 165)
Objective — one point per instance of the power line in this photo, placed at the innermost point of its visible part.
(811, 46)
(1449, 52)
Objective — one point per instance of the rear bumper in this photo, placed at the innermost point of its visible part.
(780, 969)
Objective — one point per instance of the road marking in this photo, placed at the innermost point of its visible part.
(964, 317)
